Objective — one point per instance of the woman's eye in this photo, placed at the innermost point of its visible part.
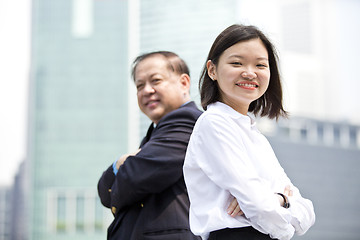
(236, 63)
(261, 65)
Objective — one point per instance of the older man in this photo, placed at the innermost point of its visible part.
(145, 190)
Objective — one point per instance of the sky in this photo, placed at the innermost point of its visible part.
(14, 72)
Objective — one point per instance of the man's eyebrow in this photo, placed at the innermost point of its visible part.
(151, 75)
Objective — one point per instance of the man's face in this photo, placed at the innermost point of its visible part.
(159, 90)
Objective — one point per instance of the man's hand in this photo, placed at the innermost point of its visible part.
(122, 159)
(234, 209)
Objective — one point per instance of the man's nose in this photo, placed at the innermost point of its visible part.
(148, 89)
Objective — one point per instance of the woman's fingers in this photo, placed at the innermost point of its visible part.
(234, 209)
(288, 191)
(237, 211)
(232, 206)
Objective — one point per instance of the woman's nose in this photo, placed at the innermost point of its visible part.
(248, 74)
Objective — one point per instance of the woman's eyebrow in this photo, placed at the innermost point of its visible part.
(241, 57)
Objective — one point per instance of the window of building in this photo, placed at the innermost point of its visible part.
(353, 137)
(99, 215)
(82, 18)
(303, 133)
(72, 211)
(336, 134)
(80, 213)
(61, 214)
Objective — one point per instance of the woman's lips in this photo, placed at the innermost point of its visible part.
(247, 85)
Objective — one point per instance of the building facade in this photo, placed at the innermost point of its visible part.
(187, 28)
(19, 218)
(5, 212)
(83, 115)
(78, 113)
(322, 159)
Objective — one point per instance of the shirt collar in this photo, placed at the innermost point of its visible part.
(185, 103)
(154, 124)
(232, 113)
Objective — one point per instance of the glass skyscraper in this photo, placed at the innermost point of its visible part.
(78, 113)
(79, 96)
(83, 113)
(5, 212)
(187, 28)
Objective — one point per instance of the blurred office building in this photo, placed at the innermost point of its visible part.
(187, 28)
(83, 112)
(19, 218)
(317, 44)
(78, 113)
(5, 212)
(308, 34)
(322, 159)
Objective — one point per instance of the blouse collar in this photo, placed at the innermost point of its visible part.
(232, 113)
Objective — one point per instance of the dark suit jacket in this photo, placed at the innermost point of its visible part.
(148, 194)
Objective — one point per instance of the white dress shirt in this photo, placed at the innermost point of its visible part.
(228, 157)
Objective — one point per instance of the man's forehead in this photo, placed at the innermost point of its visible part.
(152, 61)
(152, 66)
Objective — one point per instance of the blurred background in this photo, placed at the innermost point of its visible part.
(68, 106)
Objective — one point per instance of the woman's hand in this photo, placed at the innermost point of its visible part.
(287, 192)
(234, 209)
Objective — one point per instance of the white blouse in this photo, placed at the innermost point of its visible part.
(228, 157)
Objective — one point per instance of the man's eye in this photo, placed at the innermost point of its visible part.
(140, 86)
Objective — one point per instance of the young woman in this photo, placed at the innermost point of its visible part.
(237, 188)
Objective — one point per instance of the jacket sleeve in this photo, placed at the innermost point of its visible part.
(159, 163)
(104, 186)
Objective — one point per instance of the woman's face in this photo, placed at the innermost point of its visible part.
(242, 73)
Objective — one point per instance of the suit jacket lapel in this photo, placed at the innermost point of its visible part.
(151, 127)
(148, 135)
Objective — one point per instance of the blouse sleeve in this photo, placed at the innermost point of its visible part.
(302, 212)
(222, 155)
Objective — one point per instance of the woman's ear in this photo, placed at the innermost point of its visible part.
(211, 69)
